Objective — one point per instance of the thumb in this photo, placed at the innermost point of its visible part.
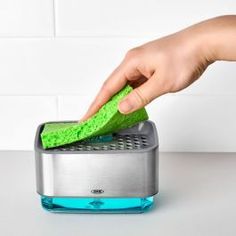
(141, 96)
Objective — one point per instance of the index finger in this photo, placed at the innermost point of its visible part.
(115, 82)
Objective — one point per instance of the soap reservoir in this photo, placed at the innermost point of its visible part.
(115, 173)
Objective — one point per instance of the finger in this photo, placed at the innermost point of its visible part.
(142, 95)
(116, 81)
(112, 85)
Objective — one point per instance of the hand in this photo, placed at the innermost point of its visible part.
(168, 64)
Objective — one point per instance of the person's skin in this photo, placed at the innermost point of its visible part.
(169, 64)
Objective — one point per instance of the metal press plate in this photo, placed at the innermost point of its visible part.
(109, 142)
(138, 138)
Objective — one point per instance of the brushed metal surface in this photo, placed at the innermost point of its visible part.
(104, 173)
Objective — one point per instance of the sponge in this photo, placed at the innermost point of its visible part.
(107, 120)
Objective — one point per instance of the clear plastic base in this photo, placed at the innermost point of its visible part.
(97, 205)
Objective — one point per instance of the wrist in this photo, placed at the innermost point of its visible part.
(214, 39)
(220, 36)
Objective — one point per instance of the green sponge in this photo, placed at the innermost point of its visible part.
(107, 120)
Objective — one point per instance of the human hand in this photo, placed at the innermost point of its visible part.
(168, 64)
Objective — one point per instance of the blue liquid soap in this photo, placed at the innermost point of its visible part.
(97, 205)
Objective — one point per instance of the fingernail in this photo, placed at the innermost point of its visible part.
(126, 106)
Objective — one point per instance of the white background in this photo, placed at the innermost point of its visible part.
(54, 56)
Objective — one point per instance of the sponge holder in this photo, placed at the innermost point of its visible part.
(115, 173)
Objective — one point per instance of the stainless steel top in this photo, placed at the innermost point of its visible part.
(141, 137)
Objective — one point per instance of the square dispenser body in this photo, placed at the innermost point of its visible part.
(115, 173)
